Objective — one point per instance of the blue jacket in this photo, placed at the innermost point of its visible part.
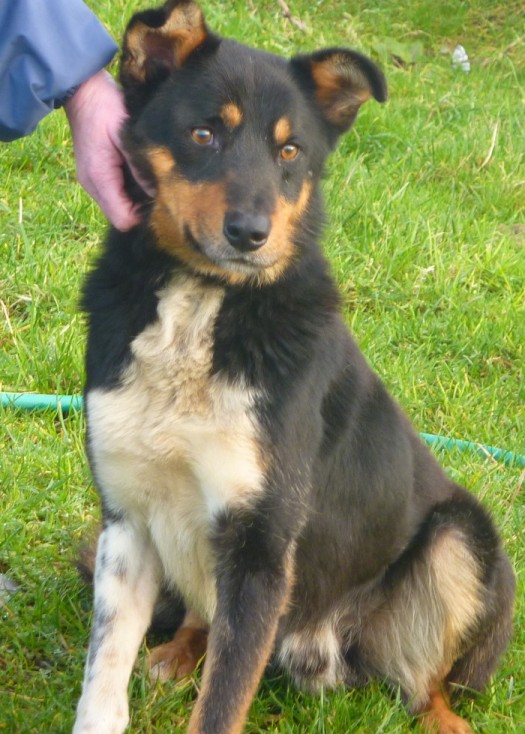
(47, 48)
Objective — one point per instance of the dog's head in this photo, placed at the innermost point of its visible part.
(233, 139)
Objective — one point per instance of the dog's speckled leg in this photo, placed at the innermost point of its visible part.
(126, 585)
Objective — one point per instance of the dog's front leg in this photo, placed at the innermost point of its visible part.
(126, 585)
(253, 587)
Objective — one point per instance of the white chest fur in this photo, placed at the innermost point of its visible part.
(174, 445)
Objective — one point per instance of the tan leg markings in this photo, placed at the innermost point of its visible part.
(179, 658)
(439, 719)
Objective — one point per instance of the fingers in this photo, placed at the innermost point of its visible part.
(103, 180)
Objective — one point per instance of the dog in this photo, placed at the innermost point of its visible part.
(247, 458)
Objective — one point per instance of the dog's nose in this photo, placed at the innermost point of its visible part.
(246, 232)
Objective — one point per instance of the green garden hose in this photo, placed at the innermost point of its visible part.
(33, 401)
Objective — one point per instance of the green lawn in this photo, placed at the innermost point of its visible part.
(427, 239)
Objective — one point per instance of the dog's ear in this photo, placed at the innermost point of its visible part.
(340, 81)
(157, 42)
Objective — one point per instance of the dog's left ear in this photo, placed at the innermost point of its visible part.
(340, 80)
(158, 42)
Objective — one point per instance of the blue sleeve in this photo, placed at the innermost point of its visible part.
(47, 47)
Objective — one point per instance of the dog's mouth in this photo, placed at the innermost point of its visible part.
(224, 256)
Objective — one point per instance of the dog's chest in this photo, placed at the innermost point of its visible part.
(174, 445)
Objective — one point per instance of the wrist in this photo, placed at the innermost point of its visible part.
(80, 95)
(62, 101)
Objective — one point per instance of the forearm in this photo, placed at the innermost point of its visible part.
(254, 581)
(240, 644)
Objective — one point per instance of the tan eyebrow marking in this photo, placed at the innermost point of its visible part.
(231, 114)
(282, 131)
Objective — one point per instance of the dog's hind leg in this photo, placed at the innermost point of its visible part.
(446, 612)
(473, 669)
(127, 575)
(180, 656)
(439, 719)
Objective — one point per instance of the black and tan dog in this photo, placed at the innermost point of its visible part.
(247, 457)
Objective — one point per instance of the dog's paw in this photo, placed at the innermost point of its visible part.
(444, 722)
(99, 721)
(178, 658)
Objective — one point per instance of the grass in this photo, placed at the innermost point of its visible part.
(427, 240)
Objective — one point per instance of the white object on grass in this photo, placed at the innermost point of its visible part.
(460, 59)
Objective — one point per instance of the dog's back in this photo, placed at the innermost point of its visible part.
(245, 453)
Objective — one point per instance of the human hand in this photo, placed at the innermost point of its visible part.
(95, 113)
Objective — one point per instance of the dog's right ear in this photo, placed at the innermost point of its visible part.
(156, 43)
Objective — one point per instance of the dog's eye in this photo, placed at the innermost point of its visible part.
(289, 151)
(202, 135)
